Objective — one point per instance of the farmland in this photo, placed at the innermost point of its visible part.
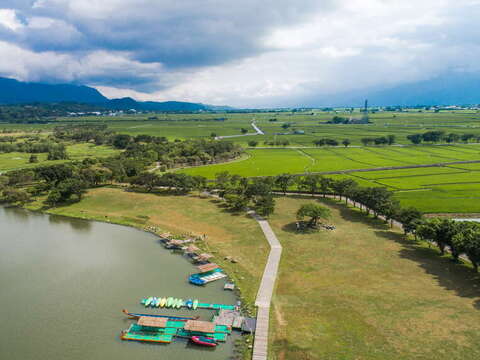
(311, 123)
(266, 162)
(15, 160)
(451, 188)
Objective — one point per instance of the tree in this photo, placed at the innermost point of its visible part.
(213, 135)
(121, 141)
(415, 138)
(33, 159)
(452, 138)
(467, 240)
(54, 197)
(146, 179)
(243, 130)
(236, 202)
(467, 137)
(309, 183)
(12, 196)
(284, 181)
(433, 136)
(222, 179)
(285, 126)
(343, 187)
(366, 141)
(410, 218)
(265, 205)
(325, 185)
(58, 152)
(70, 187)
(346, 142)
(391, 139)
(252, 143)
(314, 211)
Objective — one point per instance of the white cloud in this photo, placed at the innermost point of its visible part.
(8, 19)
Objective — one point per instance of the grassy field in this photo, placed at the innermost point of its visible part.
(363, 292)
(14, 160)
(228, 235)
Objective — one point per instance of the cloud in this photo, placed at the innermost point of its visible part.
(249, 53)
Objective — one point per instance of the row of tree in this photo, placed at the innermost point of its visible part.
(381, 140)
(460, 238)
(441, 136)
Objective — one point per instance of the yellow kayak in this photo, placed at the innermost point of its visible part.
(163, 301)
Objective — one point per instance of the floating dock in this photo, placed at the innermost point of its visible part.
(164, 330)
(208, 273)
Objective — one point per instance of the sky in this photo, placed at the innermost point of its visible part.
(263, 53)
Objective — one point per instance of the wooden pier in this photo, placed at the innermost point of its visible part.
(265, 291)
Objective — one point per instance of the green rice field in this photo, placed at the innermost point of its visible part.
(440, 189)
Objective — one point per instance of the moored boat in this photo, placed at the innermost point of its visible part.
(204, 341)
(163, 302)
(195, 304)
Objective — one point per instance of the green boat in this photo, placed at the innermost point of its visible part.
(169, 302)
(180, 303)
(149, 301)
(195, 304)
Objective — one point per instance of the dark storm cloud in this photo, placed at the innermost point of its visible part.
(183, 33)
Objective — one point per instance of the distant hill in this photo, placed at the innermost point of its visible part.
(459, 89)
(128, 103)
(18, 92)
(447, 89)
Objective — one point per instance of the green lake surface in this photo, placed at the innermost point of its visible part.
(64, 282)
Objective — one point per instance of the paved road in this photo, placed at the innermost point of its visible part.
(265, 291)
(257, 132)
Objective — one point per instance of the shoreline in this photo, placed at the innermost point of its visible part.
(247, 304)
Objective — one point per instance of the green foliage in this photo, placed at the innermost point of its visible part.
(33, 159)
(15, 196)
(314, 211)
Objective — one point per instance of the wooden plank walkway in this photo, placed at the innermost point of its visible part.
(265, 291)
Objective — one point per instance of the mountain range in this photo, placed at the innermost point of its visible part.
(17, 92)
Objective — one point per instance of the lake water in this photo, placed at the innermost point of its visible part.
(64, 282)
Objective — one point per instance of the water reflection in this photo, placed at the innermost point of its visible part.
(78, 225)
(16, 214)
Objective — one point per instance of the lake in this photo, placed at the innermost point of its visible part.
(64, 282)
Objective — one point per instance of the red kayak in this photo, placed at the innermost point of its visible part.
(204, 341)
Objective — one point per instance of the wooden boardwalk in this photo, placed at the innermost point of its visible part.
(265, 291)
